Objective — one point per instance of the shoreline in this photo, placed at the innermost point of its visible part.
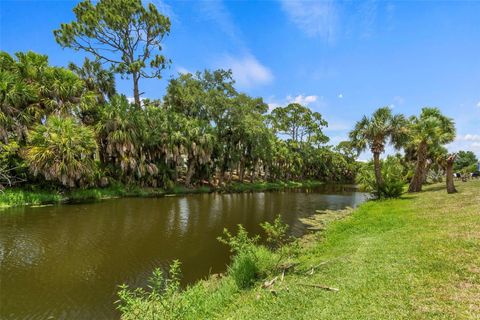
(20, 197)
(416, 243)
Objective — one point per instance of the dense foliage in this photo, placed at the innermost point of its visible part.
(392, 174)
(422, 139)
(202, 132)
(69, 127)
(62, 151)
(375, 133)
(427, 133)
(466, 161)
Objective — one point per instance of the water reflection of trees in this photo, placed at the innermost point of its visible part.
(86, 250)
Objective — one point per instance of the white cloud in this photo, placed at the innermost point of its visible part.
(304, 100)
(340, 96)
(248, 71)
(467, 142)
(469, 137)
(183, 70)
(312, 17)
(478, 104)
(301, 99)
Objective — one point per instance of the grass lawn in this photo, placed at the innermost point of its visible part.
(417, 257)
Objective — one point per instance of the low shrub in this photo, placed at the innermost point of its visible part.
(276, 233)
(240, 242)
(244, 269)
(163, 292)
(392, 172)
(164, 299)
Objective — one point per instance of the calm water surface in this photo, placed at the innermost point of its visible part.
(66, 261)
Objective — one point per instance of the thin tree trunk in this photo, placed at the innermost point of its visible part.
(190, 171)
(425, 172)
(241, 170)
(136, 92)
(378, 169)
(417, 179)
(450, 184)
(253, 173)
(219, 172)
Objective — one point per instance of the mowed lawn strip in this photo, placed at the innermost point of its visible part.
(417, 257)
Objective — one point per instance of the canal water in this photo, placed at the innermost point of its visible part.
(67, 261)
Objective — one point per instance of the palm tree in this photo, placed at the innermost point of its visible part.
(19, 95)
(62, 150)
(31, 90)
(446, 161)
(96, 79)
(449, 162)
(99, 83)
(429, 130)
(376, 132)
(194, 139)
(120, 138)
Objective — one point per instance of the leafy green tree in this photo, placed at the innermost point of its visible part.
(12, 167)
(299, 123)
(198, 143)
(375, 133)
(30, 91)
(97, 79)
(123, 33)
(62, 151)
(201, 95)
(428, 130)
(465, 159)
(122, 130)
(209, 100)
(246, 134)
(99, 82)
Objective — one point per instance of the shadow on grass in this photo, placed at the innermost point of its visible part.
(434, 188)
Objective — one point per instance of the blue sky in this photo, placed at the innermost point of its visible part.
(342, 59)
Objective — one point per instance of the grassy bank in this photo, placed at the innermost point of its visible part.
(411, 258)
(20, 197)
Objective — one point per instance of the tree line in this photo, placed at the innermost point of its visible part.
(422, 138)
(69, 126)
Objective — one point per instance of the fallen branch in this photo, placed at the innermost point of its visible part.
(319, 286)
(268, 284)
(287, 266)
(312, 270)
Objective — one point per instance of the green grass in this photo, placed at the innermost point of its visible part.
(20, 197)
(417, 257)
(15, 197)
(265, 186)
